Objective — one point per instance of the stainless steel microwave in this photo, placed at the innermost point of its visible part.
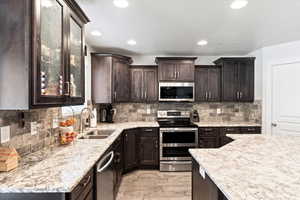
(177, 91)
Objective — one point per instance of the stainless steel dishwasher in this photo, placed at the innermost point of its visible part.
(105, 178)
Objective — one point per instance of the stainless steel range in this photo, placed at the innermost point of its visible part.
(177, 135)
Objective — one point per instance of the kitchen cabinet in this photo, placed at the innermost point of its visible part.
(176, 68)
(130, 149)
(42, 54)
(149, 148)
(85, 188)
(236, 130)
(144, 84)
(208, 83)
(118, 164)
(237, 78)
(110, 78)
(209, 137)
(202, 188)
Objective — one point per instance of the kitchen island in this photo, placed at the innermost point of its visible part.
(252, 167)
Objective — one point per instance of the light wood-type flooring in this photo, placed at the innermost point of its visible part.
(155, 185)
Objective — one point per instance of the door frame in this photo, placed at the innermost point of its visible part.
(267, 102)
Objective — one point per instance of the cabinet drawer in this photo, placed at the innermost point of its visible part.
(90, 196)
(209, 142)
(150, 132)
(208, 131)
(230, 130)
(250, 130)
(84, 187)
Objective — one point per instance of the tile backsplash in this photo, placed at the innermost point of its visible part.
(46, 136)
(20, 136)
(208, 112)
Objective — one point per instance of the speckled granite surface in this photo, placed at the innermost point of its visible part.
(61, 168)
(254, 167)
(226, 124)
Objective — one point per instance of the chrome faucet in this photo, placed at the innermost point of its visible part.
(82, 123)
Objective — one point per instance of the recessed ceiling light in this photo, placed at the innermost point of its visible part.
(202, 43)
(238, 4)
(131, 42)
(121, 3)
(96, 33)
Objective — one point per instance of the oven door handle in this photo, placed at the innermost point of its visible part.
(178, 129)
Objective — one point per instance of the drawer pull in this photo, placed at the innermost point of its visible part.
(148, 130)
(208, 129)
(251, 129)
(87, 181)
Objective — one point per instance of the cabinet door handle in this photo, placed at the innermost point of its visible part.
(145, 94)
(241, 95)
(115, 95)
(87, 181)
(178, 74)
(206, 95)
(68, 88)
(238, 95)
(209, 95)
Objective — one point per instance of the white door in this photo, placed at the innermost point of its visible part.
(286, 99)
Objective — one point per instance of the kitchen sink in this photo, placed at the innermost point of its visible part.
(98, 134)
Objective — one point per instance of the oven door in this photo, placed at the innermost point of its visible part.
(174, 91)
(178, 137)
(175, 143)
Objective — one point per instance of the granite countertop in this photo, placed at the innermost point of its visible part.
(59, 169)
(226, 124)
(254, 167)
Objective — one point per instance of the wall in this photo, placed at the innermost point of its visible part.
(271, 55)
(258, 73)
(230, 112)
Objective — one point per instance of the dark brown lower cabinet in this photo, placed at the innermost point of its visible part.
(84, 189)
(130, 149)
(118, 164)
(209, 142)
(148, 148)
(202, 188)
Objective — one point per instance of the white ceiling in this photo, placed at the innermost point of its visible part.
(173, 27)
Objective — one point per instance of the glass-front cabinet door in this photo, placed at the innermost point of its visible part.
(76, 61)
(49, 83)
(58, 56)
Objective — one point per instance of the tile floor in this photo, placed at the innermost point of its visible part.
(155, 185)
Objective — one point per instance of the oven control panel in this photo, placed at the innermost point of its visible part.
(173, 114)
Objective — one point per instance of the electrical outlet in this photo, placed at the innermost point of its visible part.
(33, 128)
(5, 134)
(55, 123)
(219, 111)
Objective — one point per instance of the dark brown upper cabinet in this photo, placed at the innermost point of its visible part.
(42, 53)
(144, 83)
(110, 78)
(208, 83)
(176, 68)
(237, 78)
